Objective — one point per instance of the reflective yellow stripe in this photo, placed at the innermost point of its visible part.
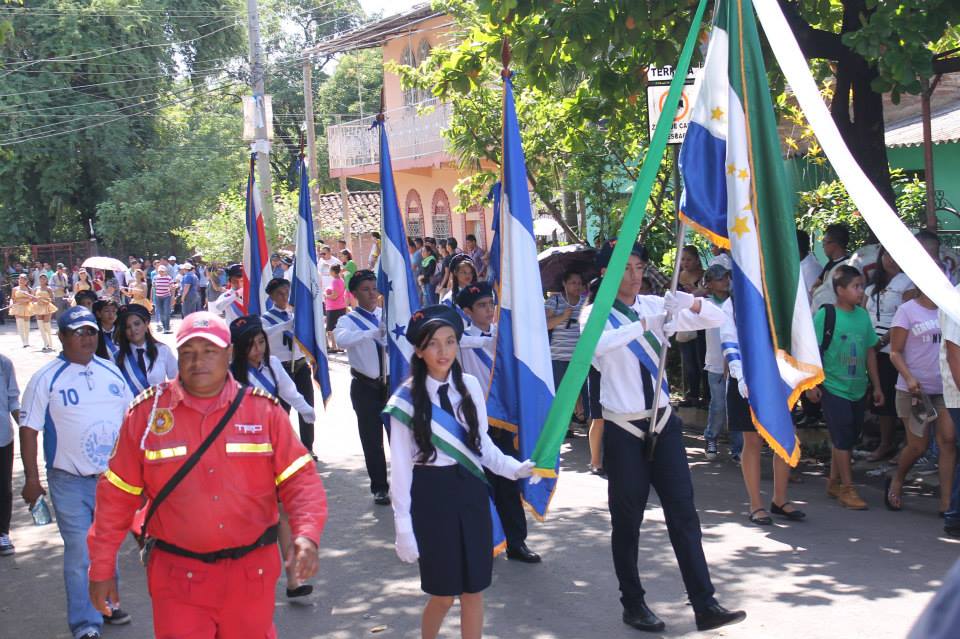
(114, 479)
(297, 464)
(235, 447)
(165, 453)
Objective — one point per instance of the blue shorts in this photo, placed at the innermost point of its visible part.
(844, 419)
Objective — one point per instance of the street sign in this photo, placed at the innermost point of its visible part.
(657, 89)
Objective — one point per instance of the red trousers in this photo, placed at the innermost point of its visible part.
(229, 599)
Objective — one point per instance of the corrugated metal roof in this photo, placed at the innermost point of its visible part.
(374, 34)
(944, 125)
(364, 212)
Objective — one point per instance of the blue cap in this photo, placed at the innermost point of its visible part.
(77, 317)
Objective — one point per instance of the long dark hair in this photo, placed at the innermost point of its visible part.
(240, 366)
(423, 409)
(455, 284)
(880, 279)
(124, 344)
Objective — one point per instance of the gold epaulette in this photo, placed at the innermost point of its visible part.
(259, 392)
(145, 395)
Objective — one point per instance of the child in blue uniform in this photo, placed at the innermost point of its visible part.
(439, 447)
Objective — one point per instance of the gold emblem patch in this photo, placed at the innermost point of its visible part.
(162, 422)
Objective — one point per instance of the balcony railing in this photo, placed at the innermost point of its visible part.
(413, 135)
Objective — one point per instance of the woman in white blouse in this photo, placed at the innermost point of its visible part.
(143, 360)
(438, 449)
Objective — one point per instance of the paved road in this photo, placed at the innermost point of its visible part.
(838, 574)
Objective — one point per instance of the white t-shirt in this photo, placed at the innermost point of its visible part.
(810, 268)
(325, 278)
(882, 311)
(713, 360)
(79, 409)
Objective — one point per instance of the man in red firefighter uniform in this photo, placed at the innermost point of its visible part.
(214, 563)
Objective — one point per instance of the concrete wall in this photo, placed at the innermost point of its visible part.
(946, 174)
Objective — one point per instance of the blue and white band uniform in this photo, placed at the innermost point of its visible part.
(619, 390)
(278, 325)
(160, 370)
(360, 332)
(404, 451)
(476, 352)
(228, 304)
(108, 339)
(280, 385)
(79, 409)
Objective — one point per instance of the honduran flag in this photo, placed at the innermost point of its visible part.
(521, 387)
(394, 275)
(736, 193)
(256, 255)
(306, 294)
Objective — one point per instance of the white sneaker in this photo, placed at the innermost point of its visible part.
(6, 546)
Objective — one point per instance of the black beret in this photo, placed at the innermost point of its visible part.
(470, 295)
(244, 325)
(428, 316)
(100, 304)
(134, 309)
(235, 270)
(360, 277)
(276, 283)
(79, 296)
(606, 251)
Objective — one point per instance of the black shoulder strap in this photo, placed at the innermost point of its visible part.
(829, 324)
(193, 459)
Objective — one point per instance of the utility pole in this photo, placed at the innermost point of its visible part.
(262, 142)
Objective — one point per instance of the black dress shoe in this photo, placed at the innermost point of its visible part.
(716, 615)
(381, 498)
(642, 618)
(522, 553)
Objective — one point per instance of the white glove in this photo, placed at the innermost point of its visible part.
(310, 417)
(673, 303)
(524, 470)
(742, 387)
(655, 324)
(406, 545)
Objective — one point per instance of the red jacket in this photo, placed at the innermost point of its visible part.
(228, 499)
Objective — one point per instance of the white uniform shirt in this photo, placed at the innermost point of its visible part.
(228, 305)
(713, 362)
(359, 331)
(950, 332)
(280, 385)
(404, 453)
(160, 370)
(476, 352)
(326, 279)
(278, 325)
(891, 298)
(621, 384)
(79, 409)
(810, 268)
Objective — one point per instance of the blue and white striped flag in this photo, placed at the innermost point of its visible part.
(306, 293)
(394, 275)
(256, 254)
(521, 390)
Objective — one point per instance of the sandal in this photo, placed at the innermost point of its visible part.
(887, 494)
(760, 521)
(793, 515)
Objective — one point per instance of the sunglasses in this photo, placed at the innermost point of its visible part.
(85, 331)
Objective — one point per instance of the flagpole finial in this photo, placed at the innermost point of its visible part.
(505, 56)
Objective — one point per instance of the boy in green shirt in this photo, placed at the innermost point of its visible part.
(848, 361)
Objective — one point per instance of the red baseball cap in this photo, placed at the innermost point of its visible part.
(205, 324)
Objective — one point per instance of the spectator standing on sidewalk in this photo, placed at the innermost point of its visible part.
(78, 401)
(60, 283)
(9, 403)
(717, 282)
(163, 295)
(950, 374)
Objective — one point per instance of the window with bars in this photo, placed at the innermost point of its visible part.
(441, 215)
(414, 214)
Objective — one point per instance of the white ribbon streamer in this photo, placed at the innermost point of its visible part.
(895, 237)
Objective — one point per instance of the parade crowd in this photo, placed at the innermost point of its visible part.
(137, 433)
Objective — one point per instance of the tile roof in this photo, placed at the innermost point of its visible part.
(364, 212)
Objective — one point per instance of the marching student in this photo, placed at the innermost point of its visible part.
(439, 447)
(476, 353)
(21, 307)
(85, 298)
(278, 325)
(142, 360)
(362, 333)
(254, 365)
(105, 310)
(43, 307)
(463, 273)
(230, 303)
(627, 363)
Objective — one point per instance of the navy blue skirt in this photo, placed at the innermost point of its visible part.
(450, 508)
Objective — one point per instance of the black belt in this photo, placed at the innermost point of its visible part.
(370, 381)
(268, 538)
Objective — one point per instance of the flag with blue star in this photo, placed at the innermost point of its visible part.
(394, 275)
(736, 193)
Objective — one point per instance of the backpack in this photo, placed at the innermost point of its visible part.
(829, 325)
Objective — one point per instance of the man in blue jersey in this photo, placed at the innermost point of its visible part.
(77, 401)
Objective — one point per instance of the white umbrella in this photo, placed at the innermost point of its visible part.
(545, 226)
(104, 263)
